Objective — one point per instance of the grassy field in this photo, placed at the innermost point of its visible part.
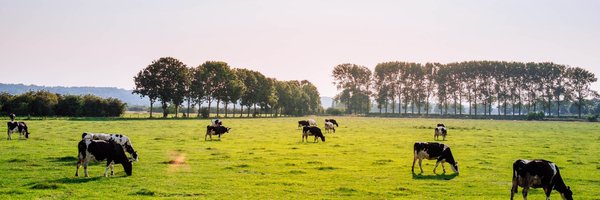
(368, 158)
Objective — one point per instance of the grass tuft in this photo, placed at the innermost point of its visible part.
(346, 190)
(16, 160)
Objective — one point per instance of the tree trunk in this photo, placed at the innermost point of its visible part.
(226, 104)
(151, 107)
(165, 111)
(218, 103)
(176, 110)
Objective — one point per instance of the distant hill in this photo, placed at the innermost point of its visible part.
(104, 92)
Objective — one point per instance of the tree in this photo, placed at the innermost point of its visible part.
(216, 75)
(354, 81)
(580, 81)
(69, 105)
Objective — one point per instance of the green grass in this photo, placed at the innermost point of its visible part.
(367, 158)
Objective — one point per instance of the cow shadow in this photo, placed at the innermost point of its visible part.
(66, 160)
(77, 180)
(435, 176)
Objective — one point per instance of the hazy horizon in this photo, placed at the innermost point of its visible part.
(105, 43)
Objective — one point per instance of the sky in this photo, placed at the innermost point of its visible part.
(105, 43)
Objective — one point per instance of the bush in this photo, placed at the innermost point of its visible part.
(592, 118)
(535, 116)
(204, 112)
(333, 111)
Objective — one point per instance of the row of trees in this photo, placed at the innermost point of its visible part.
(44, 103)
(170, 82)
(510, 87)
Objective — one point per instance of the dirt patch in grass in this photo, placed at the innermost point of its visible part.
(16, 160)
(45, 186)
(382, 162)
(144, 192)
(326, 168)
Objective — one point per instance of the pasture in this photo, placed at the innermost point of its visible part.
(367, 158)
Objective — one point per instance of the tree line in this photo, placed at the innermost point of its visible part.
(44, 103)
(171, 83)
(473, 87)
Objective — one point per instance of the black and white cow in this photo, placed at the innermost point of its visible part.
(329, 127)
(118, 138)
(431, 151)
(14, 126)
(303, 123)
(312, 131)
(440, 130)
(538, 174)
(332, 121)
(216, 130)
(99, 150)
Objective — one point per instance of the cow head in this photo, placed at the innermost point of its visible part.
(228, 130)
(568, 194)
(129, 149)
(12, 116)
(128, 168)
(454, 167)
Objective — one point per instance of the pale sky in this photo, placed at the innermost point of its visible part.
(105, 43)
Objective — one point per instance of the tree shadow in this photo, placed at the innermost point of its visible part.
(435, 176)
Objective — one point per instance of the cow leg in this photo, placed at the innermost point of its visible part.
(413, 166)
(107, 167)
(443, 168)
(77, 171)
(436, 165)
(421, 167)
(525, 190)
(547, 191)
(514, 188)
(112, 168)
(219, 137)
(85, 165)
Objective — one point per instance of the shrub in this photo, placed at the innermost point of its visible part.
(333, 111)
(204, 112)
(592, 118)
(535, 116)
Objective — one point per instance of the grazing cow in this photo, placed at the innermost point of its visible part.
(14, 126)
(434, 150)
(332, 121)
(312, 122)
(536, 174)
(440, 130)
(302, 123)
(312, 131)
(329, 127)
(218, 130)
(216, 122)
(118, 138)
(99, 150)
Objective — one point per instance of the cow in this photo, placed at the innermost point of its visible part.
(118, 138)
(216, 130)
(434, 150)
(302, 123)
(440, 130)
(312, 122)
(538, 173)
(332, 121)
(329, 127)
(99, 150)
(14, 126)
(312, 131)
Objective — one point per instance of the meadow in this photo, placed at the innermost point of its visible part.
(367, 158)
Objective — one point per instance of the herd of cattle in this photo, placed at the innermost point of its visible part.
(113, 148)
